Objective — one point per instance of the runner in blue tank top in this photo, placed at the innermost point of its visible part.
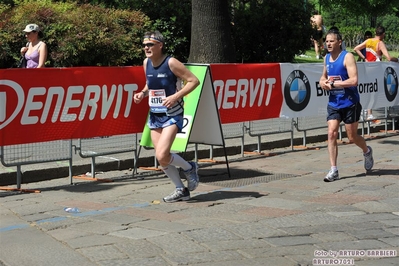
(164, 76)
(340, 79)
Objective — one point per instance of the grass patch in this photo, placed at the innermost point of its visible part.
(310, 56)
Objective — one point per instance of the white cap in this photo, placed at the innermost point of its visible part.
(31, 27)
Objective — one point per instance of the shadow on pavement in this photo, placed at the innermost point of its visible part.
(379, 172)
(375, 172)
(387, 141)
(223, 194)
(217, 175)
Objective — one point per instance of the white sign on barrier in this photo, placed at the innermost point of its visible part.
(377, 86)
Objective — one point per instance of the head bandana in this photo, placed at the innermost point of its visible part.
(151, 39)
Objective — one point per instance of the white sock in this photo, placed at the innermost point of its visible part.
(173, 174)
(176, 160)
(334, 168)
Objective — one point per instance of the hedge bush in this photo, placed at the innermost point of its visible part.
(76, 35)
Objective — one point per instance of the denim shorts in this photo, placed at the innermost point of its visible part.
(161, 120)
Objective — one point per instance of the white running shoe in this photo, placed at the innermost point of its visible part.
(192, 176)
(178, 195)
(368, 159)
(331, 176)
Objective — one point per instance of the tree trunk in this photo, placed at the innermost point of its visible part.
(211, 40)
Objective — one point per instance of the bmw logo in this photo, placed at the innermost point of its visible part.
(297, 91)
(390, 83)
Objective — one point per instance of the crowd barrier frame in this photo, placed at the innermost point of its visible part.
(17, 156)
(36, 153)
(233, 131)
(301, 124)
(265, 127)
(393, 113)
(108, 145)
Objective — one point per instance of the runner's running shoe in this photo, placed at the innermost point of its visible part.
(180, 194)
(368, 159)
(331, 176)
(192, 176)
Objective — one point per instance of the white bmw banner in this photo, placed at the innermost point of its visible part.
(377, 86)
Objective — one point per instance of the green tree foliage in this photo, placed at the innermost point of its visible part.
(271, 31)
(7, 2)
(76, 35)
(108, 32)
(391, 24)
(372, 8)
(171, 17)
(353, 26)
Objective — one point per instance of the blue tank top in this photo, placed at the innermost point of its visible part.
(341, 97)
(161, 78)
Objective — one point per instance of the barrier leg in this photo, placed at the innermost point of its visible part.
(19, 181)
(135, 163)
(242, 140)
(70, 172)
(19, 176)
(93, 166)
(363, 128)
(386, 120)
(292, 137)
(196, 152)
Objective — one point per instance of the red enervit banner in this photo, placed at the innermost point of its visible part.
(47, 104)
(247, 92)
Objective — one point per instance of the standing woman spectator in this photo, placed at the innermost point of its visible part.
(35, 51)
(317, 36)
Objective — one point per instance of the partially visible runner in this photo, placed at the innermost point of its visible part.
(368, 112)
(164, 76)
(375, 49)
(340, 79)
(367, 35)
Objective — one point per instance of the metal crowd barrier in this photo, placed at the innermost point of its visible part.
(101, 146)
(230, 131)
(393, 113)
(304, 124)
(379, 114)
(261, 128)
(32, 153)
(42, 152)
(386, 114)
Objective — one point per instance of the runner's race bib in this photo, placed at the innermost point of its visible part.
(336, 91)
(155, 101)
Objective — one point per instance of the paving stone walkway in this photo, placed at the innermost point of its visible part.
(271, 210)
